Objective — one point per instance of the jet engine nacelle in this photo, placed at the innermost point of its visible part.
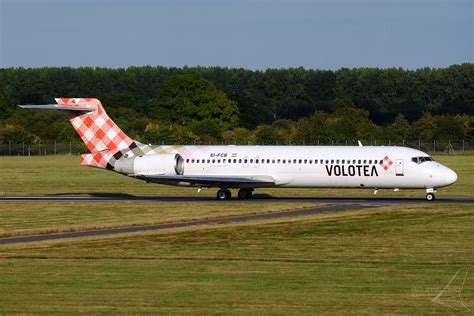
(162, 164)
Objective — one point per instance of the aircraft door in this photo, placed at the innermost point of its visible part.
(399, 167)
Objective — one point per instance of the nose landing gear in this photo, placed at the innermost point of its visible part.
(430, 194)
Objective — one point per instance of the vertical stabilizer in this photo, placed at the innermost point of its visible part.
(95, 128)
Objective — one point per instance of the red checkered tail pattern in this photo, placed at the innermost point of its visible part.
(100, 134)
(95, 127)
(90, 121)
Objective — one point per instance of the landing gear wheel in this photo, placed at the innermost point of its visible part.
(245, 193)
(430, 197)
(224, 194)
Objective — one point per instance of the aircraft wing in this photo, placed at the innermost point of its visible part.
(212, 181)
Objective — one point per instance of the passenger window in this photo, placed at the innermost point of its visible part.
(370, 162)
(240, 160)
(310, 161)
(268, 160)
(315, 161)
(381, 161)
(218, 161)
(187, 160)
(365, 162)
(273, 160)
(321, 161)
(294, 160)
(251, 160)
(337, 161)
(192, 160)
(332, 161)
(284, 161)
(359, 162)
(300, 161)
(235, 160)
(245, 160)
(289, 161)
(256, 160)
(213, 161)
(342, 161)
(327, 162)
(305, 161)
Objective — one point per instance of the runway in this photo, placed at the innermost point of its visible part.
(105, 197)
(331, 204)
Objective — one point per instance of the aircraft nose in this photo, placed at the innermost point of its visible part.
(450, 176)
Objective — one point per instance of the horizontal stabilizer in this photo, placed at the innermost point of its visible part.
(81, 108)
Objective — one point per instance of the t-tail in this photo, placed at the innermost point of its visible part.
(104, 139)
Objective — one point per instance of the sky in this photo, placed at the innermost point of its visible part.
(236, 33)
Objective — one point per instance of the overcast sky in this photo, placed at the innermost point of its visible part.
(236, 33)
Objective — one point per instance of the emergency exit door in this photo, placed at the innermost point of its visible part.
(399, 167)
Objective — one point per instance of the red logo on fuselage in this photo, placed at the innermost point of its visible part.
(386, 163)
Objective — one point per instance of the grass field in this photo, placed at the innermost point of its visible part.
(384, 261)
(391, 260)
(64, 175)
(43, 217)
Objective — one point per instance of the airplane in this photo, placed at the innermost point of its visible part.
(249, 167)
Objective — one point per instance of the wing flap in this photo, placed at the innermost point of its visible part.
(212, 181)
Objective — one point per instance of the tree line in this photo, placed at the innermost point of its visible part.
(239, 106)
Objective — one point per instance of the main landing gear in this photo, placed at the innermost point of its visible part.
(430, 194)
(225, 194)
(245, 193)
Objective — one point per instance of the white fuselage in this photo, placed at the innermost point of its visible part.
(320, 166)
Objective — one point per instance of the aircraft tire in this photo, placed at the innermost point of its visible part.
(430, 197)
(224, 194)
(245, 194)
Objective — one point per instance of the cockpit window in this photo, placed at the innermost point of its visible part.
(419, 160)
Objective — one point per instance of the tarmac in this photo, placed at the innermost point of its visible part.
(330, 204)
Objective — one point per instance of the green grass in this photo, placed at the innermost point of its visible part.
(43, 217)
(391, 260)
(64, 175)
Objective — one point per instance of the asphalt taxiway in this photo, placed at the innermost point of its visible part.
(330, 204)
(227, 219)
(104, 197)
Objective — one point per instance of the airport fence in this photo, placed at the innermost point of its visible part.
(71, 148)
(26, 149)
